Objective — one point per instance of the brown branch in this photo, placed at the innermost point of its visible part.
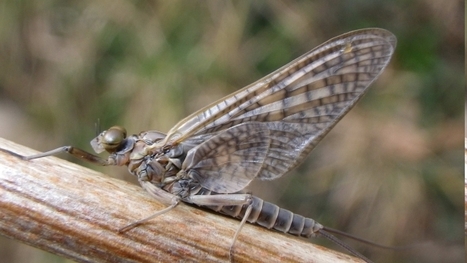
(75, 212)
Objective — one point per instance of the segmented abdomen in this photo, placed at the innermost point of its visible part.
(272, 216)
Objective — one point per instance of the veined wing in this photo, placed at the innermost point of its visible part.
(300, 102)
(230, 160)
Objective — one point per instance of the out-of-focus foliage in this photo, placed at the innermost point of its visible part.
(391, 171)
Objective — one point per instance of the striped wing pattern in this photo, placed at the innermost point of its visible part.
(295, 106)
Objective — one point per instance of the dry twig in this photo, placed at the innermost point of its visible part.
(75, 212)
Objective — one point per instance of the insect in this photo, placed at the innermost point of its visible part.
(259, 132)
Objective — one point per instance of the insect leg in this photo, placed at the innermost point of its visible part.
(219, 200)
(242, 223)
(175, 202)
(76, 152)
(234, 200)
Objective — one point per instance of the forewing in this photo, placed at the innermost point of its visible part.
(300, 102)
(230, 160)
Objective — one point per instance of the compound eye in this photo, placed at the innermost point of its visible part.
(113, 138)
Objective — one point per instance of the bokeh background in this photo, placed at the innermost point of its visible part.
(391, 171)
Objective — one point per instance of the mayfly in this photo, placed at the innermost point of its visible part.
(259, 132)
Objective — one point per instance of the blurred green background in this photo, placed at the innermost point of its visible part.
(391, 171)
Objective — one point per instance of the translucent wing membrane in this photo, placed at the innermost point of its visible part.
(230, 160)
(298, 104)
